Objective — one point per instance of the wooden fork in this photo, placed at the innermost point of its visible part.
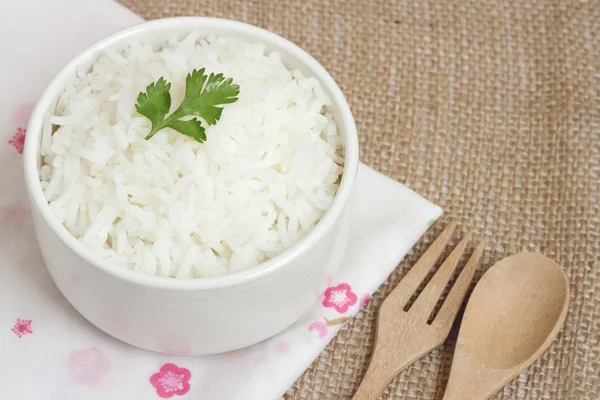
(402, 336)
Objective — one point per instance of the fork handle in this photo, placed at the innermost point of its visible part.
(379, 373)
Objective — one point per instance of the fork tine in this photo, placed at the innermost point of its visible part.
(411, 281)
(457, 294)
(434, 289)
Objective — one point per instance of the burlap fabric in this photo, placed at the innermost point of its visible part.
(489, 108)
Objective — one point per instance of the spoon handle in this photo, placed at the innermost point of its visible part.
(464, 391)
(469, 380)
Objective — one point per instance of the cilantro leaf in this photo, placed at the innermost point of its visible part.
(192, 128)
(203, 95)
(155, 103)
(218, 90)
(194, 82)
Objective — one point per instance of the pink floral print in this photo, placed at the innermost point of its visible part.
(340, 297)
(88, 366)
(319, 329)
(171, 380)
(18, 140)
(22, 327)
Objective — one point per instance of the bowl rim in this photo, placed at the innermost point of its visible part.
(39, 203)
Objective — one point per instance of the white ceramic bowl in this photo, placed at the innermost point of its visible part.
(200, 316)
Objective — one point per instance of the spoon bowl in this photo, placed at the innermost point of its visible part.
(514, 313)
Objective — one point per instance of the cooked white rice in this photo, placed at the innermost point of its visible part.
(171, 206)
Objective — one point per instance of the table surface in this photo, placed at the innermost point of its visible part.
(488, 108)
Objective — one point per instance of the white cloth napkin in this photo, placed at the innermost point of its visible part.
(48, 351)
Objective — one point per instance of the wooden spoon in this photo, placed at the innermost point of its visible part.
(514, 313)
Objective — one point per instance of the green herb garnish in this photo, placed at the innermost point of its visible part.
(203, 94)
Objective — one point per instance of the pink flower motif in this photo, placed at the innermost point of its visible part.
(319, 328)
(15, 214)
(339, 297)
(18, 140)
(22, 327)
(88, 366)
(171, 380)
(364, 299)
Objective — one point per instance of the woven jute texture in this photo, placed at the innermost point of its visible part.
(490, 109)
